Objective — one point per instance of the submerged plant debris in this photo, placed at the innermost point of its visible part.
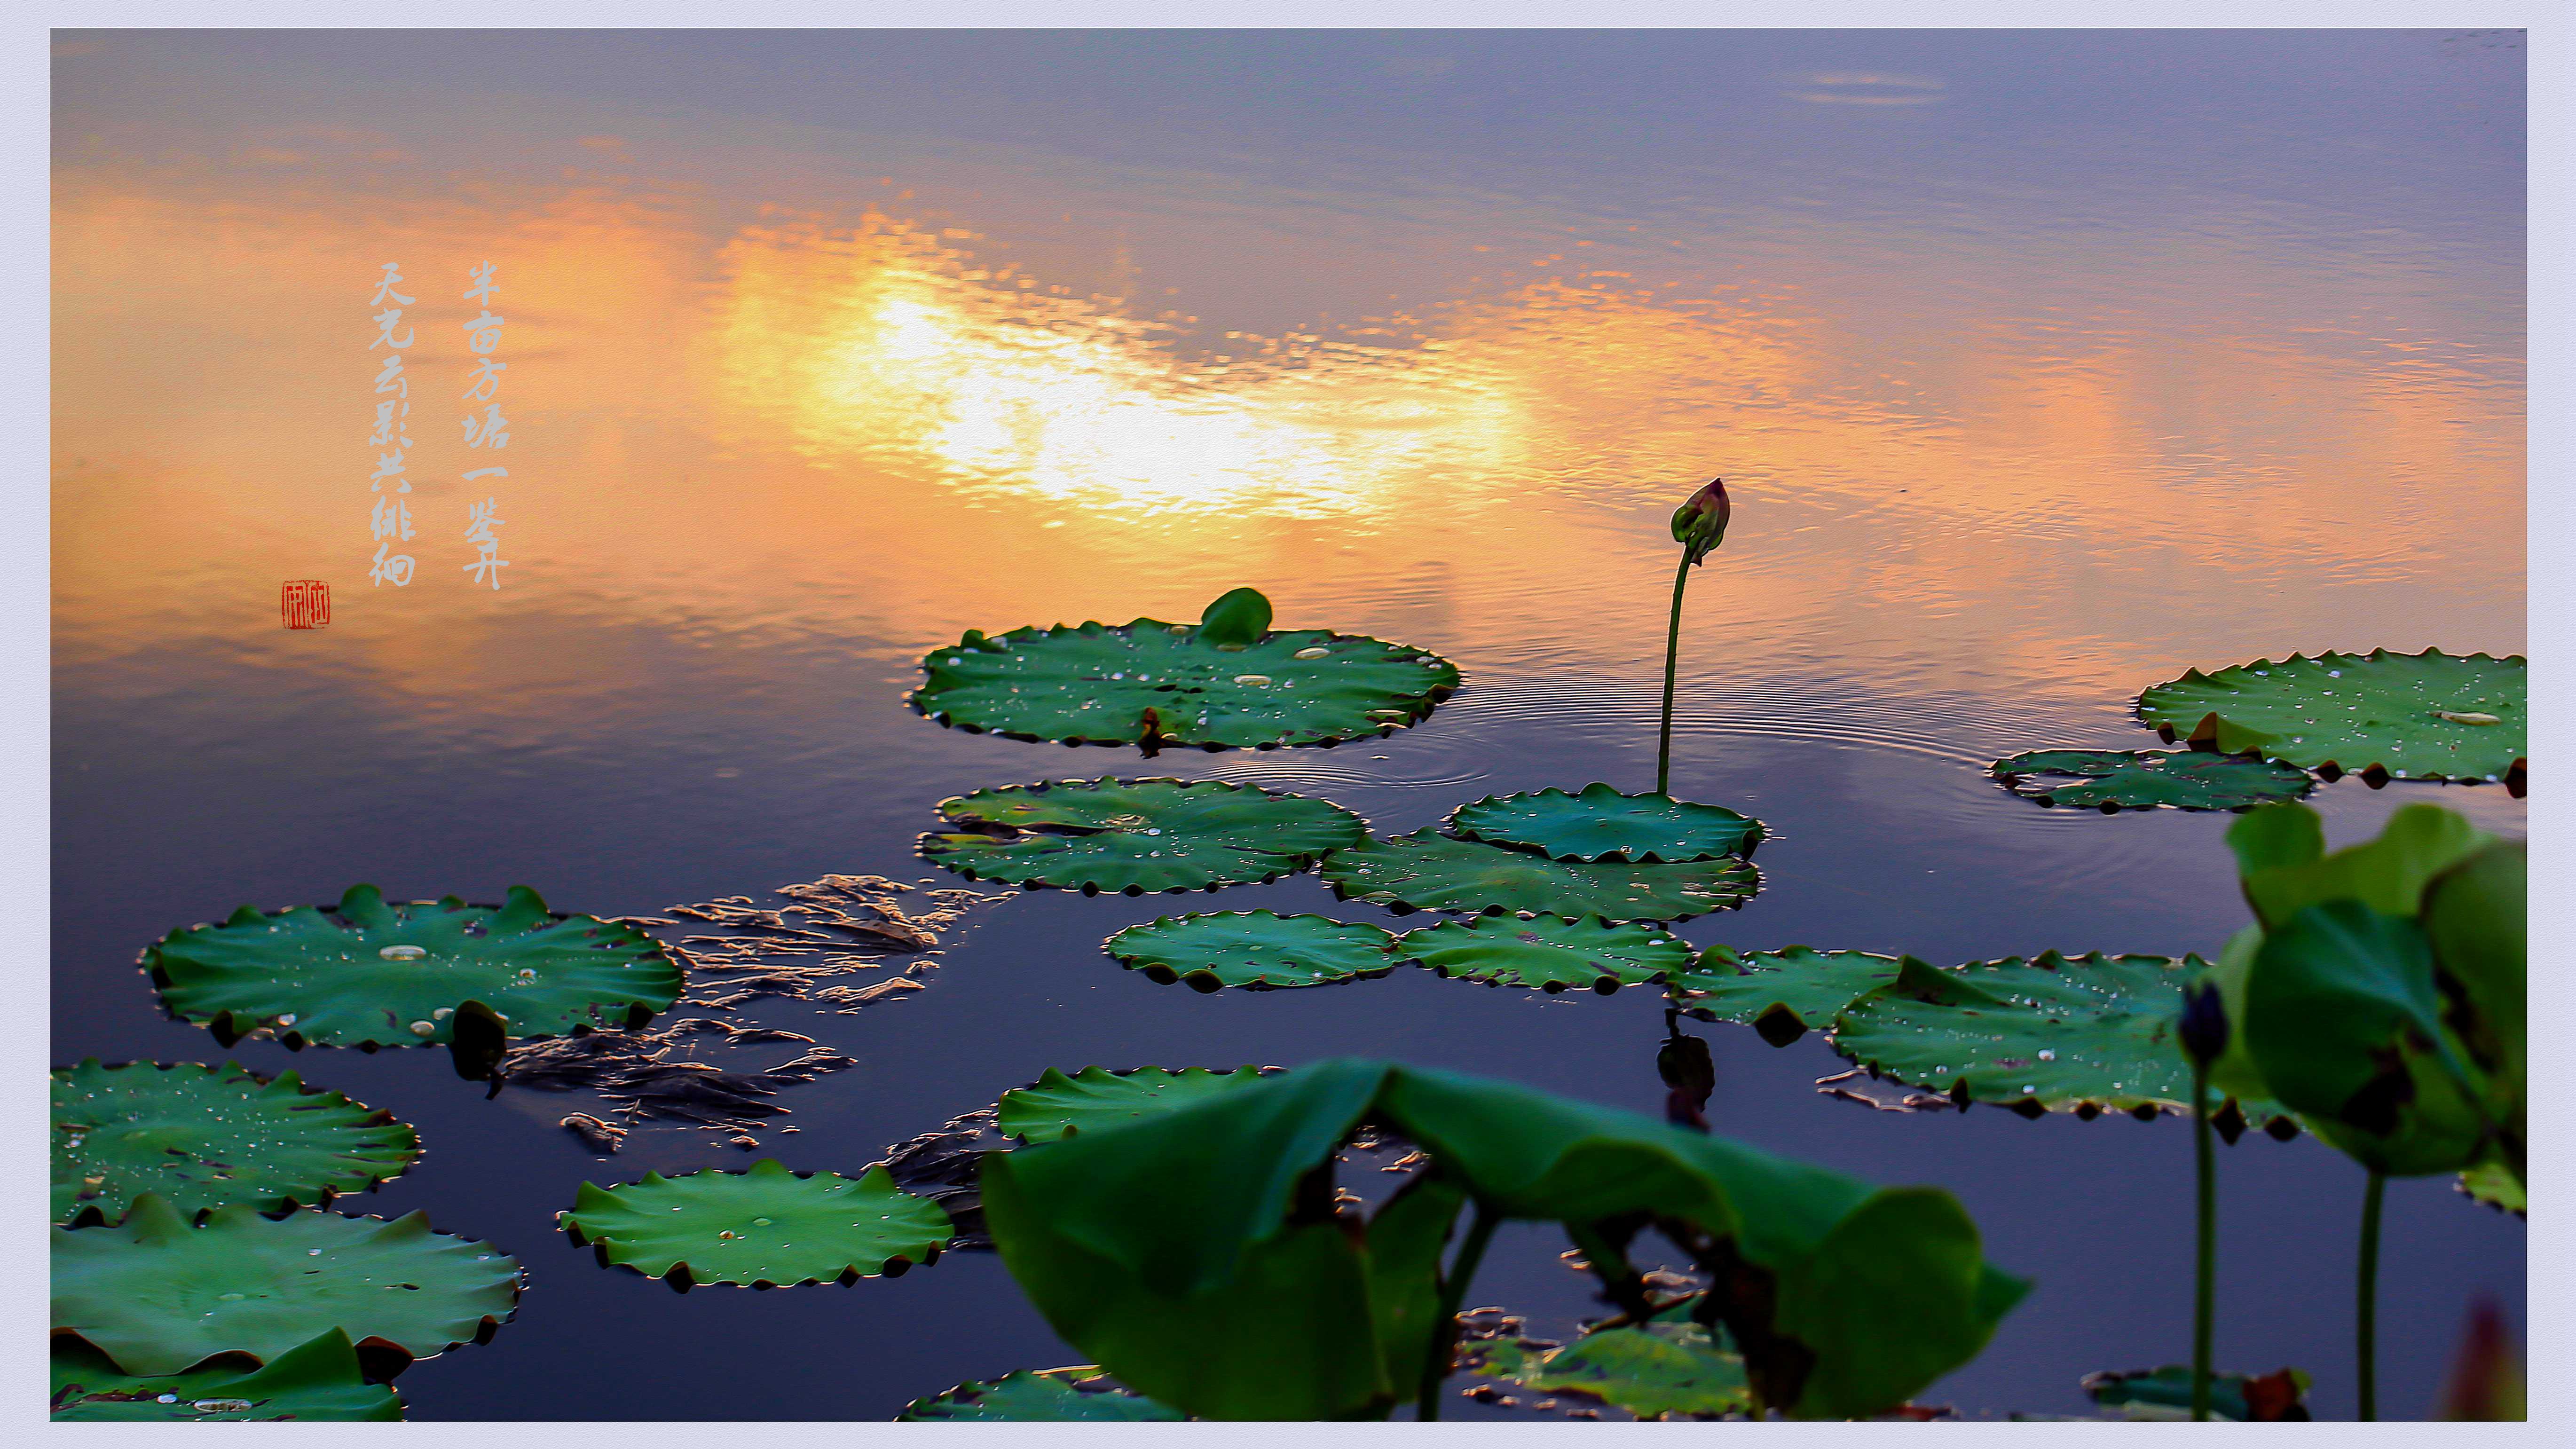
(843, 943)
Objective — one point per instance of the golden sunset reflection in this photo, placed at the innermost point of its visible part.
(884, 426)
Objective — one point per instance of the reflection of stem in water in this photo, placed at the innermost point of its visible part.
(1444, 1326)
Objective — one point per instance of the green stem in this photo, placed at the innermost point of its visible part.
(1444, 1328)
(2205, 1283)
(2366, 1342)
(1672, 657)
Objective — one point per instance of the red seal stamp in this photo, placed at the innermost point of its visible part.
(304, 603)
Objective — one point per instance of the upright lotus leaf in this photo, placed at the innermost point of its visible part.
(2344, 1017)
(1059, 1395)
(319, 1381)
(1226, 681)
(2477, 917)
(1096, 1099)
(1430, 871)
(2053, 1033)
(765, 1226)
(1601, 824)
(2165, 1393)
(370, 973)
(1782, 994)
(201, 1137)
(1405, 1242)
(1136, 835)
(1545, 953)
(1165, 1250)
(2387, 874)
(2145, 779)
(2428, 716)
(1187, 1254)
(159, 1295)
(1652, 1370)
(1259, 950)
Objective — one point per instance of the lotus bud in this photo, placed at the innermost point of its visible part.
(1700, 524)
(2204, 1023)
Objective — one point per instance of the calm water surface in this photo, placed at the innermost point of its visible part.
(2041, 368)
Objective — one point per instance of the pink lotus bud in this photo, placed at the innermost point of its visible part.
(1700, 524)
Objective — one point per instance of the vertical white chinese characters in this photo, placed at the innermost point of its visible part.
(490, 430)
(390, 522)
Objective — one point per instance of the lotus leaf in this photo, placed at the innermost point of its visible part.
(2493, 1183)
(159, 1295)
(1430, 871)
(2053, 1033)
(2165, 1393)
(1136, 835)
(316, 1381)
(1601, 824)
(368, 973)
(2143, 779)
(765, 1226)
(1095, 1098)
(2428, 716)
(1192, 1256)
(1227, 681)
(1652, 1370)
(1782, 994)
(1547, 953)
(1260, 950)
(1060, 1395)
(202, 1136)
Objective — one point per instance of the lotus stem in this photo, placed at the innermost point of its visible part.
(2366, 1336)
(2205, 1282)
(1444, 1328)
(1672, 657)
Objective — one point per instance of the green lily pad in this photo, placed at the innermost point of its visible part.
(1601, 824)
(2428, 716)
(765, 1226)
(1430, 871)
(1258, 950)
(202, 1136)
(2144, 779)
(1136, 835)
(317, 1381)
(1652, 1370)
(1096, 1098)
(2165, 1393)
(2055, 1033)
(1782, 994)
(1546, 953)
(159, 1295)
(1225, 682)
(2493, 1183)
(367, 973)
(1060, 1395)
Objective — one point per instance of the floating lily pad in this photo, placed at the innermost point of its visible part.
(1224, 682)
(1601, 824)
(203, 1136)
(158, 1295)
(2428, 716)
(1136, 835)
(1546, 953)
(2054, 1033)
(1652, 1370)
(2165, 1393)
(2144, 779)
(367, 973)
(1782, 994)
(1096, 1098)
(1060, 1395)
(2494, 1184)
(765, 1226)
(1259, 950)
(1430, 871)
(319, 1381)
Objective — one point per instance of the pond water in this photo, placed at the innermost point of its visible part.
(2040, 369)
